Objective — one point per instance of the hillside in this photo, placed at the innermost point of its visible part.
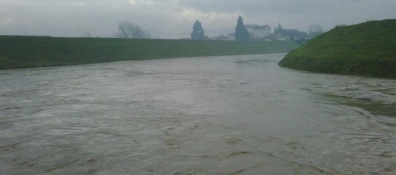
(24, 52)
(366, 49)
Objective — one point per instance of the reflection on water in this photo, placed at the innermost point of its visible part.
(212, 115)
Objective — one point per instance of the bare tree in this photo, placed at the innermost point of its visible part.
(127, 29)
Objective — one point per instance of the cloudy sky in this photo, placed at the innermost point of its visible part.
(175, 18)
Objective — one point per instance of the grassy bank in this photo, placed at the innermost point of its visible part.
(367, 49)
(24, 52)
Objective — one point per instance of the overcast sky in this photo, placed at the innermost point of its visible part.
(175, 18)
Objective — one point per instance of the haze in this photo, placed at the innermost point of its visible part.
(175, 18)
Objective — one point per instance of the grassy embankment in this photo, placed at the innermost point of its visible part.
(367, 49)
(25, 52)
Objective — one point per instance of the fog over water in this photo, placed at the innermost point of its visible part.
(208, 115)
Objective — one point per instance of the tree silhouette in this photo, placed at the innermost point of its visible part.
(240, 31)
(128, 29)
(198, 32)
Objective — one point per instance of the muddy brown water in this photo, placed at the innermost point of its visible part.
(209, 115)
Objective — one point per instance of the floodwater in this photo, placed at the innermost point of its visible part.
(209, 115)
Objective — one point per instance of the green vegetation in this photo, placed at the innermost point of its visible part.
(367, 49)
(24, 52)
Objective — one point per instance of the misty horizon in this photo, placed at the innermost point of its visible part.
(172, 19)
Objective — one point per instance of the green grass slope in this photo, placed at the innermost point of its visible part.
(367, 49)
(6, 63)
(22, 51)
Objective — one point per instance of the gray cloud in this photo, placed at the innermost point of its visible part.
(174, 18)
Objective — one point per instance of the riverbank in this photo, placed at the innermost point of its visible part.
(366, 49)
(28, 52)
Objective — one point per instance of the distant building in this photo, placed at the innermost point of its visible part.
(287, 34)
(263, 32)
(258, 32)
(293, 34)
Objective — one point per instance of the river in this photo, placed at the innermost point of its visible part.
(209, 115)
